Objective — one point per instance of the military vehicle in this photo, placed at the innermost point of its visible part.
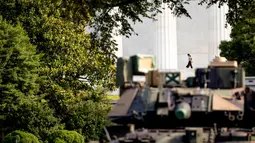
(211, 107)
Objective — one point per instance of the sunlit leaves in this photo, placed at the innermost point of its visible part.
(242, 45)
(19, 64)
(18, 61)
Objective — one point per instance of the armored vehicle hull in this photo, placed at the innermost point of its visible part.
(213, 106)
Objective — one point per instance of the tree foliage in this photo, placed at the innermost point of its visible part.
(20, 137)
(19, 106)
(67, 53)
(18, 62)
(30, 115)
(236, 8)
(241, 48)
(65, 136)
(88, 118)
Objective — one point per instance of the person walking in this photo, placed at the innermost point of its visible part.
(189, 61)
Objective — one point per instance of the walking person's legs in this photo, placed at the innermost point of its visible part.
(187, 65)
(191, 65)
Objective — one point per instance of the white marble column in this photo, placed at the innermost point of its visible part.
(118, 39)
(218, 31)
(165, 47)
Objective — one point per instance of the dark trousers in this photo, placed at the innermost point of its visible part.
(189, 65)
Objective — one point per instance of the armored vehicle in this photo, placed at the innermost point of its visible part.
(210, 107)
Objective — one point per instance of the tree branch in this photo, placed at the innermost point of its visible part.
(123, 2)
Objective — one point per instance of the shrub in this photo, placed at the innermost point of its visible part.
(65, 136)
(20, 137)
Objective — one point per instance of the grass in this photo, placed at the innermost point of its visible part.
(113, 97)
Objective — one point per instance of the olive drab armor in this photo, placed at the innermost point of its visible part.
(202, 106)
(128, 67)
(124, 71)
(221, 74)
